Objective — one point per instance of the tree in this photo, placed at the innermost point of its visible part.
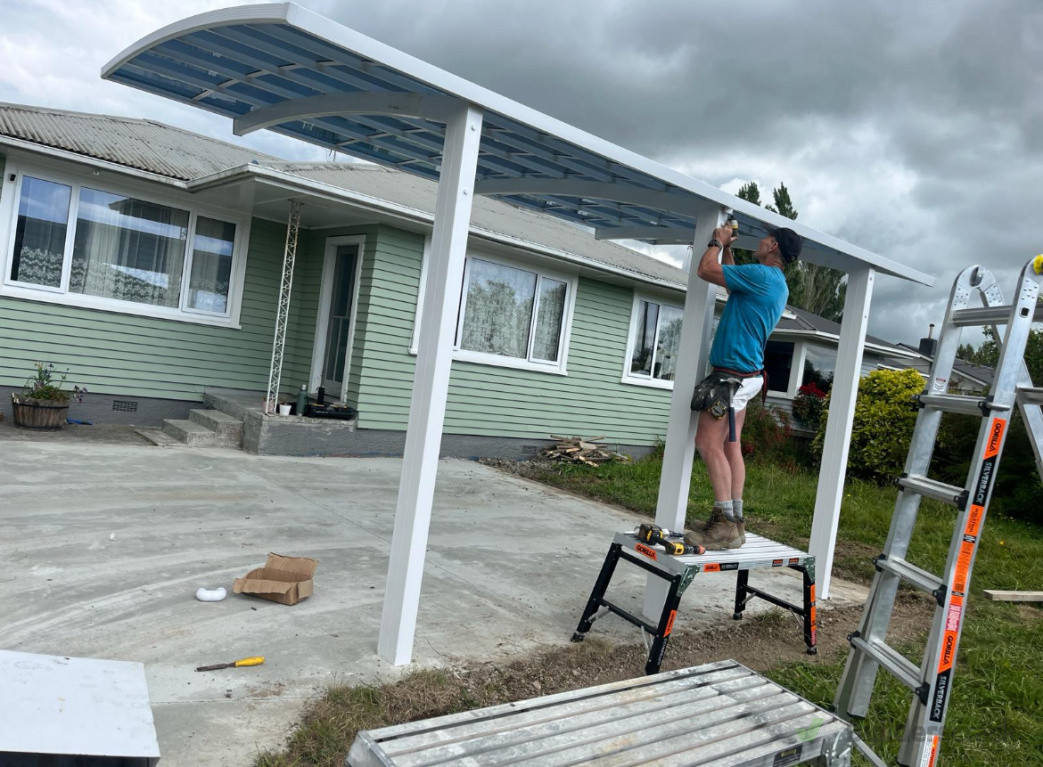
(751, 193)
(817, 289)
(988, 353)
(783, 204)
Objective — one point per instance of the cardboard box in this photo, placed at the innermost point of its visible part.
(286, 580)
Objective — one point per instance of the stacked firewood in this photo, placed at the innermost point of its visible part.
(584, 450)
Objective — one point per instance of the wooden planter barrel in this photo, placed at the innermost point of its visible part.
(39, 414)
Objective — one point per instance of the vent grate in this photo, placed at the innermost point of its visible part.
(124, 406)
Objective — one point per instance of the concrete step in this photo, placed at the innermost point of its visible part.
(227, 429)
(189, 432)
(159, 438)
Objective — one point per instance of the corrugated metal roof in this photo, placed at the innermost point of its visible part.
(805, 320)
(490, 215)
(142, 144)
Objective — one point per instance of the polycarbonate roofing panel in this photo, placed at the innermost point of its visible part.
(240, 60)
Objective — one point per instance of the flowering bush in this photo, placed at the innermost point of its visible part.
(809, 404)
(45, 386)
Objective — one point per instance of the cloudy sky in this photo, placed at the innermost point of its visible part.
(913, 129)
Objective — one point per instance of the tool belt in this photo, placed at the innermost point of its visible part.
(715, 393)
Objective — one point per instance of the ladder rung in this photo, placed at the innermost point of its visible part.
(900, 667)
(988, 315)
(1033, 396)
(913, 575)
(956, 403)
(932, 488)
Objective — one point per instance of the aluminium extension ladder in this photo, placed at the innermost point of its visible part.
(931, 682)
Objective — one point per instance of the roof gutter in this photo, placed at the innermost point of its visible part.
(84, 159)
(890, 351)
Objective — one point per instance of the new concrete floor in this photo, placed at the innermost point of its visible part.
(104, 545)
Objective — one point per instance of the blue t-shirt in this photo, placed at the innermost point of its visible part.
(757, 297)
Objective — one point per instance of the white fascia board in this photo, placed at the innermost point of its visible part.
(833, 338)
(293, 182)
(339, 35)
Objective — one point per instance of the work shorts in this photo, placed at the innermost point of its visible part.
(749, 389)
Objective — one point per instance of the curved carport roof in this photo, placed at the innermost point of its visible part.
(283, 68)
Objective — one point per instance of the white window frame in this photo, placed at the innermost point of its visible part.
(558, 367)
(628, 377)
(10, 198)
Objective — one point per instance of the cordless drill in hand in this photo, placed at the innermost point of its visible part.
(654, 534)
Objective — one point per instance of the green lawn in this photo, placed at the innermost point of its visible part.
(996, 710)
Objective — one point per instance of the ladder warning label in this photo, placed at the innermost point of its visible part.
(930, 754)
(974, 520)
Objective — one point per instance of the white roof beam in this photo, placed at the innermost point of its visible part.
(667, 202)
(659, 235)
(434, 108)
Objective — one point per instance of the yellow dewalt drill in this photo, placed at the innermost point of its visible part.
(654, 534)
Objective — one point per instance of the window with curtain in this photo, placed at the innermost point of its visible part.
(39, 242)
(654, 341)
(120, 249)
(211, 265)
(512, 312)
(128, 250)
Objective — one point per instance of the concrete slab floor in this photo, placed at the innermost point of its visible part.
(104, 545)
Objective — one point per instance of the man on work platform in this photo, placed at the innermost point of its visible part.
(757, 295)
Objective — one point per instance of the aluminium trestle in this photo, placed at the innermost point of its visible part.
(680, 571)
(715, 715)
(931, 682)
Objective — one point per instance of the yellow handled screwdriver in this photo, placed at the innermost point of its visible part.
(255, 661)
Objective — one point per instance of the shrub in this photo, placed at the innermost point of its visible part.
(809, 404)
(766, 432)
(883, 424)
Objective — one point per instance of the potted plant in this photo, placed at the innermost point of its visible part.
(42, 403)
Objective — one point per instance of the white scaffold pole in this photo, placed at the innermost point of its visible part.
(282, 312)
(692, 360)
(837, 440)
(431, 385)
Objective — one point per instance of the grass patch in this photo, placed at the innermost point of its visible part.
(994, 715)
(780, 503)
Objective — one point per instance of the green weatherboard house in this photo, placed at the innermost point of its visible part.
(146, 261)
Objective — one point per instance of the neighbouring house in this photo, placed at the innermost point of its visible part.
(966, 377)
(146, 260)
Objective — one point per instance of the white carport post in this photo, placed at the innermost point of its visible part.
(431, 384)
(838, 426)
(679, 451)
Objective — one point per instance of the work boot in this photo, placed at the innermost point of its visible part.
(719, 535)
(701, 525)
(740, 524)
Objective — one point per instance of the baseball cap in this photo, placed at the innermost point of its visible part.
(790, 243)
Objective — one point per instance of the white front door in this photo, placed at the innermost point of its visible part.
(335, 324)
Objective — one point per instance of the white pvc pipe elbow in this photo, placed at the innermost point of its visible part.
(211, 595)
